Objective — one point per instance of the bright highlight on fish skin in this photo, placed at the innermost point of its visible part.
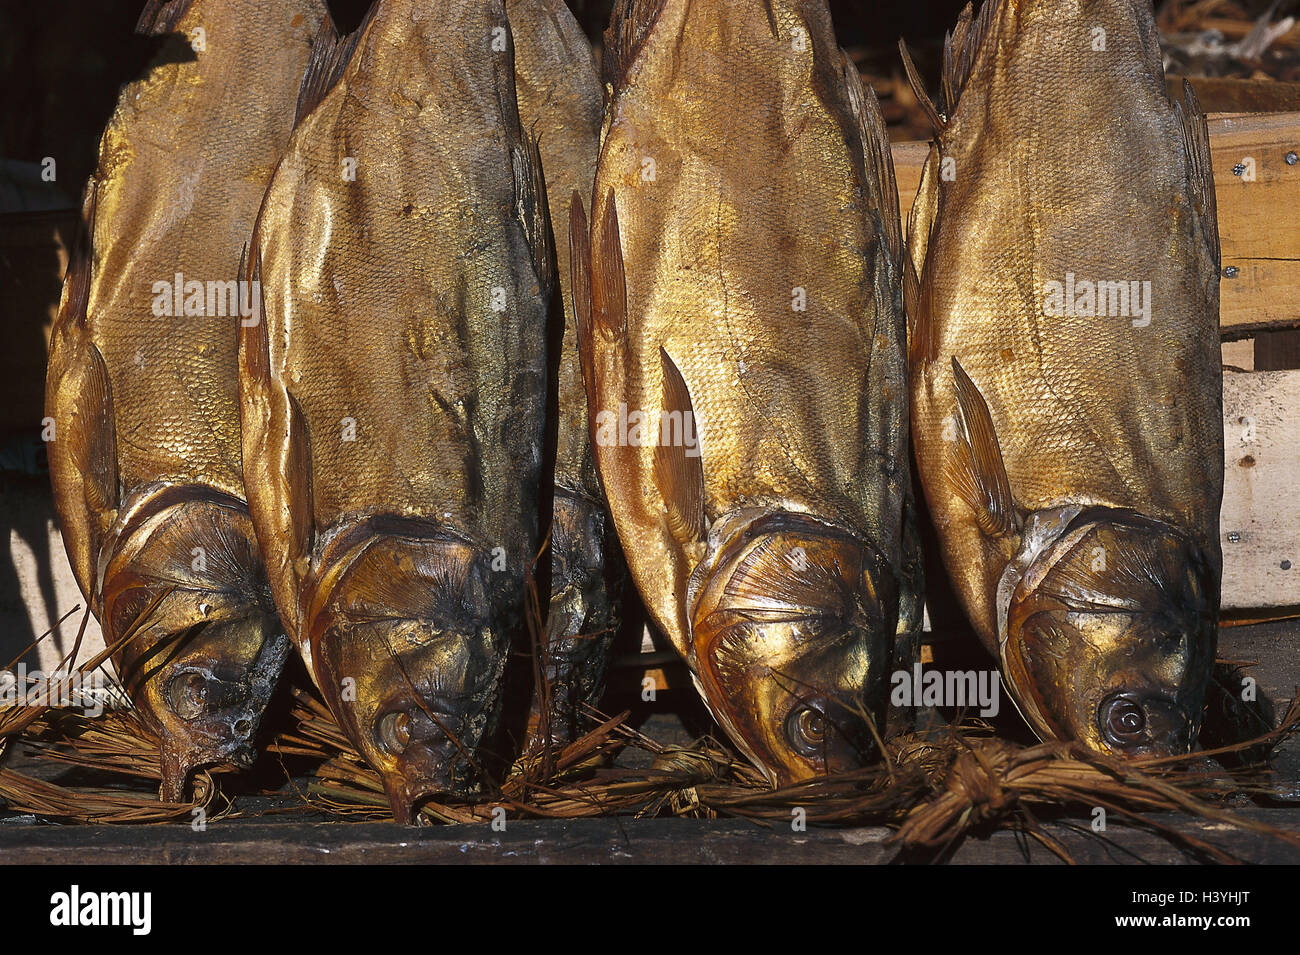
(1065, 366)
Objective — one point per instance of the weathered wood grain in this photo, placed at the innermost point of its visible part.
(588, 841)
(1260, 519)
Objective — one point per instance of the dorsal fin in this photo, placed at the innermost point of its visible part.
(330, 54)
(628, 26)
(78, 399)
(918, 88)
(1196, 142)
(879, 160)
(977, 473)
(161, 16)
(679, 473)
(531, 207)
(960, 48)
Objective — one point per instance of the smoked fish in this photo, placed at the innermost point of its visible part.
(738, 293)
(1062, 290)
(393, 393)
(561, 102)
(141, 386)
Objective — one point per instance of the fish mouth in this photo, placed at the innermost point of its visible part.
(208, 716)
(182, 755)
(791, 625)
(424, 753)
(408, 789)
(1107, 630)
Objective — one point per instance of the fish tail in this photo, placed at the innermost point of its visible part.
(161, 16)
(330, 54)
(629, 24)
(1196, 143)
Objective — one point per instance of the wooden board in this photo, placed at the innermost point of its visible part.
(1258, 230)
(1260, 520)
(1232, 94)
(596, 841)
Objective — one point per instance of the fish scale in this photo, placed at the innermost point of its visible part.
(146, 462)
(1068, 162)
(393, 396)
(743, 167)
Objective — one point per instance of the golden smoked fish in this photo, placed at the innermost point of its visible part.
(1063, 294)
(743, 349)
(393, 395)
(141, 386)
(560, 101)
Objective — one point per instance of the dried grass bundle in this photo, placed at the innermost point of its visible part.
(118, 748)
(935, 787)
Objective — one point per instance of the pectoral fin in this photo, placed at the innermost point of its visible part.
(678, 471)
(976, 470)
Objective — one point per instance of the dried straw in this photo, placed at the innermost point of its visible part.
(932, 787)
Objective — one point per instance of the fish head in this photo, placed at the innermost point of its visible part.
(185, 577)
(1111, 635)
(792, 628)
(408, 648)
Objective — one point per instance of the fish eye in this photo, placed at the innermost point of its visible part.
(805, 728)
(187, 694)
(395, 731)
(1125, 722)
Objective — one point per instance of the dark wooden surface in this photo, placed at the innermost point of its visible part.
(617, 841)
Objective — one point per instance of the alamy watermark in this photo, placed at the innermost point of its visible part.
(947, 688)
(635, 428)
(1077, 297)
(211, 299)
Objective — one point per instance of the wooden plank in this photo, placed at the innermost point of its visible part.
(1232, 94)
(1257, 225)
(909, 160)
(594, 841)
(1240, 355)
(1257, 228)
(1260, 519)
